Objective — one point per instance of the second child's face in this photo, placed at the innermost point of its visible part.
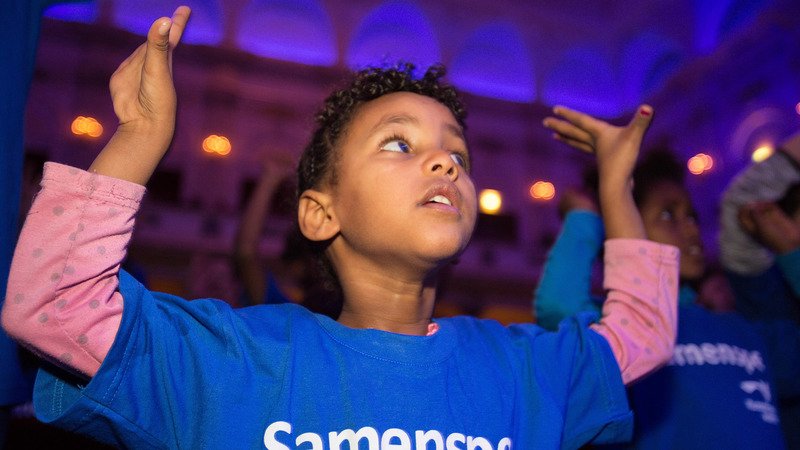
(669, 218)
(403, 193)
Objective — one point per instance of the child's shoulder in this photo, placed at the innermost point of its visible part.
(469, 327)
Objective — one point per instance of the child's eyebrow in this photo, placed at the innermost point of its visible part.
(456, 131)
(406, 119)
(391, 119)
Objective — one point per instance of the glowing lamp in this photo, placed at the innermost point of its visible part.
(543, 190)
(87, 126)
(217, 144)
(700, 163)
(762, 153)
(490, 201)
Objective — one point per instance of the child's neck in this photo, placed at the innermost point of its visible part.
(388, 305)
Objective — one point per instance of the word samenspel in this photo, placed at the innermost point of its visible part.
(278, 434)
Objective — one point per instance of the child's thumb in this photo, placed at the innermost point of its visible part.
(642, 119)
(158, 45)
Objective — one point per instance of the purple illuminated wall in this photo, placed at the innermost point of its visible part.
(721, 74)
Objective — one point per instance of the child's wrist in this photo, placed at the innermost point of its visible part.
(615, 189)
(154, 136)
(152, 142)
(130, 155)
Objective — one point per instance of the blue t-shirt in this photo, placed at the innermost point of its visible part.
(717, 392)
(772, 294)
(200, 374)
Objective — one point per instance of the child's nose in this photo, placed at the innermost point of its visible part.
(690, 228)
(440, 161)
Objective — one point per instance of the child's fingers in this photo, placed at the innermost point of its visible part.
(179, 19)
(579, 119)
(767, 212)
(575, 143)
(746, 219)
(567, 129)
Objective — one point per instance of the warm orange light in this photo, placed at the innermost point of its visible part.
(86, 125)
(490, 201)
(700, 163)
(695, 165)
(762, 153)
(543, 190)
(217, 144)
(77, 125)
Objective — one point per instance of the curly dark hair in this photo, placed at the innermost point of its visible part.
(657, 166)
(317, 164)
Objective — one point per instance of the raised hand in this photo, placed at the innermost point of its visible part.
(145, 103)
(768, 224)
(278, 166)
(141, 88)
(617, 149)
(576, 199)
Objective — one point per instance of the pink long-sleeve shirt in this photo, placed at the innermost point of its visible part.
(63, 303)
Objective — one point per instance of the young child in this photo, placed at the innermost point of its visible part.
(759, 243)
(722, 387)
(759, 239)
(386, 196)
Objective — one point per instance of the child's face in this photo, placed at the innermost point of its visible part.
(403, 193)
(670, 218)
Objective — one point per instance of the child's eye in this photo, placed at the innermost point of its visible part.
(396, 145)
(458, 159)
(665, 216)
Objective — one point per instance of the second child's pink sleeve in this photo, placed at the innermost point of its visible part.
(640, 313)
(62, 300)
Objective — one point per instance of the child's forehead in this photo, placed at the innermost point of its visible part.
(406, 108)
(407, 103)
(667, 192)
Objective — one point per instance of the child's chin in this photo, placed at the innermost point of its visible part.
(452, 257)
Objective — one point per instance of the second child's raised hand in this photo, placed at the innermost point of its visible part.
(574, 200)
(768, 224)
(616, 147)
(144, 99)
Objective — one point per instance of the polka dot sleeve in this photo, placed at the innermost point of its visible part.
(62, 298)
(640, 314)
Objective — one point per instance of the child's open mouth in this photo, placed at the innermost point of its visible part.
(441, 199)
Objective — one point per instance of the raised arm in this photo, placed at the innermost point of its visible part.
(617, 149)
(63, 280)
(752, 227)
(640, 312)
(245, 248)
(565, 285)
(145, 103)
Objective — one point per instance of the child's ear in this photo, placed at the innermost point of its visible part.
(315, 216)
